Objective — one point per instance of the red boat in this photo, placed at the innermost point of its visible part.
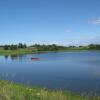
(35, 58)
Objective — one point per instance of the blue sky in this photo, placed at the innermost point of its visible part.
(62, 22)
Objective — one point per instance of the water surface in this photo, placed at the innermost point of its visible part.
(73, 71)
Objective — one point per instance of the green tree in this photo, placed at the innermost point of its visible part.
(20, 45)
(13, 47)
(6, 47)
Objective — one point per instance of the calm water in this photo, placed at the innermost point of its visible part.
(74, 71)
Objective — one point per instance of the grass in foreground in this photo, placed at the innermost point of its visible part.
(11, 91)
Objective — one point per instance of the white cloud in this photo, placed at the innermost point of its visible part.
(95, 21)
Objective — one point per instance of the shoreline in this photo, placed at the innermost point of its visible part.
(13, 91)
(18, 52)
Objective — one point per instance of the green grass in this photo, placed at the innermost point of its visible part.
(19, 51)
(33, 50)
(12, 91)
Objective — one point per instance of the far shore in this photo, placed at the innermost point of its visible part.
(27, 51)
(37, 48)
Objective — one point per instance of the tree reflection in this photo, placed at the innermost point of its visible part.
(6, 57)
(16, 57)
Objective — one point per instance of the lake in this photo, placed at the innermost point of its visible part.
(73, 71)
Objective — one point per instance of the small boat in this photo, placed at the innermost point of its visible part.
(35, 58)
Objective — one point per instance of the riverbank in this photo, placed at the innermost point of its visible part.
(18, 51)
(34, 51)
(12, 91)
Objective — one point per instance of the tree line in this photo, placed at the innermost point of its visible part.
(14, 47)
(52, 47)
(39, 47)
(44, 47)
(94, 46)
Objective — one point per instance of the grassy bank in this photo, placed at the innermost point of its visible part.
(33, 50)
(18, 51)
(11, 91)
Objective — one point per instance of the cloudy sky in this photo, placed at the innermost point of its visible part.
(50, 21)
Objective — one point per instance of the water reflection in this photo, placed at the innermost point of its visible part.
(76, 71)
(6, 56)
(14, 57)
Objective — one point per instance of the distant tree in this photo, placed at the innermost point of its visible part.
(20, 45)
(71, 46)
(81, 46)
(6, 47)
(54, 47)
(91, 46)
(38, 46)
(13, 47)
(94, 46)
(1, 46)
(24, 46)
(98, 46)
